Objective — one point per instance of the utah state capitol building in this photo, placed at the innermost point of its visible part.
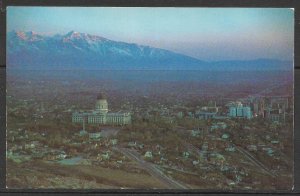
(101, 115)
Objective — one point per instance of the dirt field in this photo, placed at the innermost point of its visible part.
(46, 175)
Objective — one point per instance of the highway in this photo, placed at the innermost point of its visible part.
(249, 156)
(265, 91)
(151, 169)
(254, 160)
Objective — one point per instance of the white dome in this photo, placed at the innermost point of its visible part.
(102, 106)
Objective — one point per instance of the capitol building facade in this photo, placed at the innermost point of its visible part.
(101, 115)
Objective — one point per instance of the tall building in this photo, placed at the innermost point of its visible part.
(240, 111)
(232, 111)
(258, 106)
(275, 115)
(101, 115)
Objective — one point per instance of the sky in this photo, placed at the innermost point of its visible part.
(209, 34)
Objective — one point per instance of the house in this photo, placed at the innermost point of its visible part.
(195, 162)
(105, 156)
(225, 136)
(252, 147)
(269, 151)
(148, 154)
(186, 154)
(114, 141)
(219, 125)
(83, 132)
(96, 135)
(230, 149)
(275, 142)
(195, 133)
(132, 144)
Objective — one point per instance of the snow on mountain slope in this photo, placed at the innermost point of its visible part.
(85, 50)
(76, 50)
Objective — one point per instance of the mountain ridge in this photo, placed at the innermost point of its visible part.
(75, 50)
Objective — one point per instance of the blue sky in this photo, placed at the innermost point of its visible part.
(205, 33)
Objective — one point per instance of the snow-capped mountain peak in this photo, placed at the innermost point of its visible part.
(74, 35)
(82, 49)
(26, 36)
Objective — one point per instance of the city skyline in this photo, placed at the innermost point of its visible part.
(209, 34)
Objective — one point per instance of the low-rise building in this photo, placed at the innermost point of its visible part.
(252, 147)
(96, 135)
(218, 125)
(148, 154)
(207, 112)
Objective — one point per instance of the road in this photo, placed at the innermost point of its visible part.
(265, 91)
(192, 148)
(254, 160)
(151, 168)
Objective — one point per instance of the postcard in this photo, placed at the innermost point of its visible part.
(150, 98)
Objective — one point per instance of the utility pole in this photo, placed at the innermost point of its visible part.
(83, 123)
(84, 118)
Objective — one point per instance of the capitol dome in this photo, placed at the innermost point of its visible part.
(101, 104)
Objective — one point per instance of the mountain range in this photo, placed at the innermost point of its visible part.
(75, 50)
